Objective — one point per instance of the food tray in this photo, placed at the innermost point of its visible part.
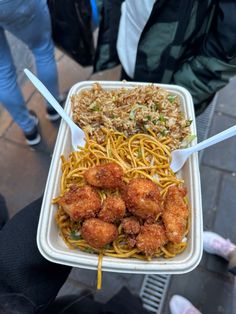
(53, 248)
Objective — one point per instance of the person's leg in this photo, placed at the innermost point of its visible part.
(35, 31)
(26, 276)
(3, 212)
(41, 44)
(10, 94)
(181, 305)
(83, 303)
(123, 302)
(232, 263)
(215, 244)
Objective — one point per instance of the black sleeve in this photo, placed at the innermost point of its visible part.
(220, 43)
(106, 56)
(215, 63)
(24, 271)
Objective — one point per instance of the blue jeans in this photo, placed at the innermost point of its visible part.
(29, 21)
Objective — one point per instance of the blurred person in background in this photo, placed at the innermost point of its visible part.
(190, 43)
(29, 21)
(215, 244)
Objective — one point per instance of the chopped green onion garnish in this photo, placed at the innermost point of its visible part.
(162, 118)
(88, 250)
(171, 98)
(74, 235)
(94, 106)
(163, 132)
(189, 122)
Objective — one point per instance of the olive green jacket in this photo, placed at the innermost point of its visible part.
(191, 43)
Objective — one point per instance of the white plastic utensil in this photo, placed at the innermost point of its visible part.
(179, 156)
(77, 135)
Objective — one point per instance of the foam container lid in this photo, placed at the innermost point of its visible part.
(52, 246)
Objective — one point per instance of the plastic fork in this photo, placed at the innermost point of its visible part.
(179, 156)
(77, 135)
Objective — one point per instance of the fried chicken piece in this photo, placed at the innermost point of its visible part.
(175, 215)
(113, 209)
(98, 233)
(105, 176)
(142, 198)
(150, 221)
(81, 203)
(151, 238)
(130, 225)
(131, 241)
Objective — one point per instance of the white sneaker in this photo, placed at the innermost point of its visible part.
(215, 244)
(181, 305)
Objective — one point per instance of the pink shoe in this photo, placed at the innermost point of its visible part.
(215, 244)
(180, 305)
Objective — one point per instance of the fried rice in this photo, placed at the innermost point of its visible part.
(137, 110)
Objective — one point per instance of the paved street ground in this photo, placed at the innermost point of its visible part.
(24, 172)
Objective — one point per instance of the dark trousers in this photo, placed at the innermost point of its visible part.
(29, 283)
(26, 277)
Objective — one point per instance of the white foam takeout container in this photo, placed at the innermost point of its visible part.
(53, 248)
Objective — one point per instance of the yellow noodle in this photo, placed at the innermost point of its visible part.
(141, 155)
(99, 273)
(122, 255)
(167, 253)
